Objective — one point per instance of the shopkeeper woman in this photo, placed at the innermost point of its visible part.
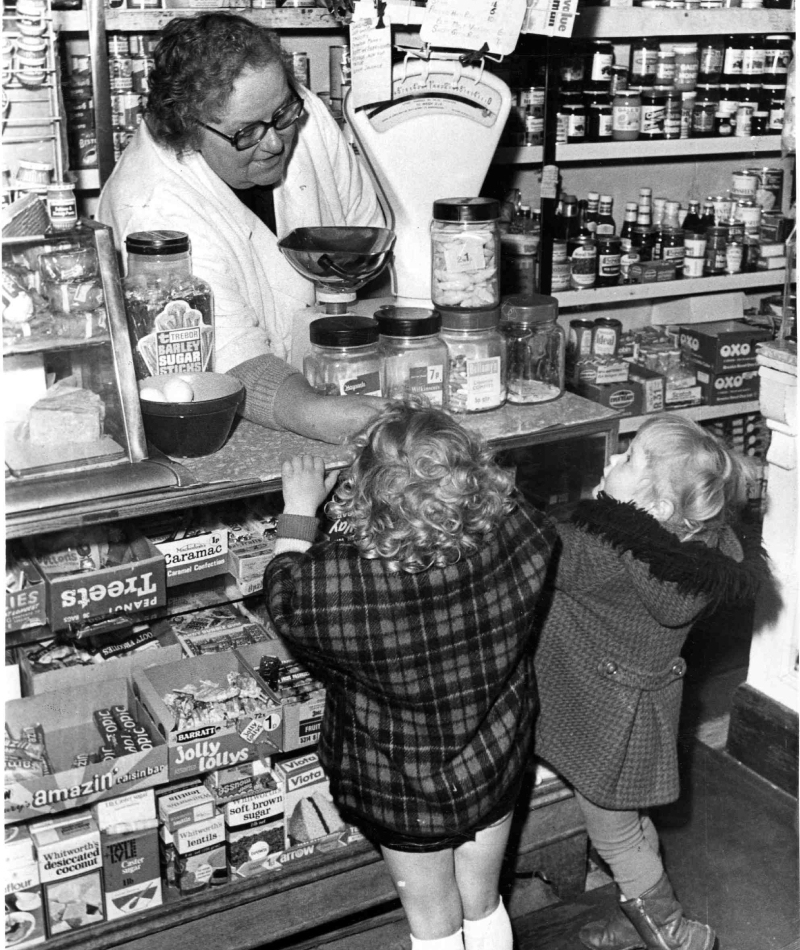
(235, 154)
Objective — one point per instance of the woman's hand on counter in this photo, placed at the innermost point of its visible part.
(301, 409)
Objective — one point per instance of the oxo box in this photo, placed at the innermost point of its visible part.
(723, 345)
(717, 389)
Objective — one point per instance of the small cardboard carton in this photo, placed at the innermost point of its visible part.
(626, 398)
(36, 681)
(255, 832)
(131, 871)
(652, 384)
(240, 781)
(301, 709)
(130, 587)
(308, 808)
(200, 857)
(251, 543)
(723, 345)
(600, 370)
(192, 551)
(26, 600)
(67, 720)
(70, 869)
(186, 807)
(138, 808)
(24, 905)
(721, 388)
(195, 749)
(18, 846)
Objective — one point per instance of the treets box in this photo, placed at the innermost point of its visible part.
(196, 746)
(66, 718)
(70, 870)
(24, 905)
(717, 389)
(130, 587)
(723, 345)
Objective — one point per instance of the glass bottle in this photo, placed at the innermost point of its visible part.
(692, 220)
(344, 359)
(535, 346)
(643, 56)
(705, 108)
(711, 55)
(476, 354)
(582, 254)
(599, 117)
(715, 252)
(651, 126)
(627, 224)
(707, 216)
(672, 113)
(605, 216)
(591, 214)
(413, 355)
(465, 258)
(571, 118)
(170, 311)
(567, 224)
(609, 260)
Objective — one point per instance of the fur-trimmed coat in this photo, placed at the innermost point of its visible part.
(608, 662)
(431, 696)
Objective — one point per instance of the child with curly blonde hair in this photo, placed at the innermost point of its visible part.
(636, 568)
(419, 622)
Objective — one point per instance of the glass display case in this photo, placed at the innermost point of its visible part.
(70, 402)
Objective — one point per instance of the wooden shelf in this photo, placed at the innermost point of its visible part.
(639, 21)
(625, 293)
(638, 150)
(628, 424)
(153, 21)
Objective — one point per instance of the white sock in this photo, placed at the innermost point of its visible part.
(453, 942)
(489, 933)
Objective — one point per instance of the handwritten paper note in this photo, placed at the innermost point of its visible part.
(371, 59)
(469, 24)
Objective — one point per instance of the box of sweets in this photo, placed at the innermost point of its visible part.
(26, 600)
(254, 828)
(239, 781)
(70, 870)
(200, 704)
(626, 398)
(215, 629)
(61, 664)
(723, 345)
(97, 572)
(251, 542)
(200, 857)
(193, 549)
(301, 697)
(24, 908)
(131, 869)
(720, 388)
(71, 748)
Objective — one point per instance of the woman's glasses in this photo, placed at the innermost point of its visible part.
(252, 134)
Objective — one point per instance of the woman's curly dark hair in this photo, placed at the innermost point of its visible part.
(195, 64)
(421, 490)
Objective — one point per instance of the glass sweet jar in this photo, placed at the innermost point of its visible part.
(170, 311)
(465, 254)
(535, 348)
(413, 355)
(344, 358)
(476, 352)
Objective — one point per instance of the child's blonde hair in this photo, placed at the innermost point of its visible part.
(421, 490)
(690, 467)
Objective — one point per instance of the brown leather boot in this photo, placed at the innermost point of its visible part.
(658, 918)
(614, 933)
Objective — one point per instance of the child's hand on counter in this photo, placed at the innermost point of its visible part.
(305, 484)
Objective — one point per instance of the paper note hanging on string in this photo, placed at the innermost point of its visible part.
(471, 24)
(550, 17)
(371, 61)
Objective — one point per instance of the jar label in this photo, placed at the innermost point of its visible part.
(475, 384)
(369, 384)
(180, 341)
(428, 380)
(753, 62)
(626, 118)
(464, 254)
(608, 265)
(604, 341)
(583, 267)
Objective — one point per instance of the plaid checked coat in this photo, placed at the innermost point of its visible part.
(431, 696)
(608, 663)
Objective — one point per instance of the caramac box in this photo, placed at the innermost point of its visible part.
(131, 587)
(191, 552)
(67, 719)
(720, 388)
(723, 345)
(194, 750)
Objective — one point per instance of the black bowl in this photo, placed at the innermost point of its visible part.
(196, 428)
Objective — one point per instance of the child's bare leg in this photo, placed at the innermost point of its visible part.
(478, 865)
(426, 886)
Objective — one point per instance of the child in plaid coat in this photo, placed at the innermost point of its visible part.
(419, 622)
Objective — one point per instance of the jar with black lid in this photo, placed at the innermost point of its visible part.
(651, 126)
(582, 253)
(777, 54)
(753, 54)
(465, 254)
(643, 58)
(643, 239)
(672, 112)
(732, 58)
(711, 55)
(609, 257)
(775, 97)
(599, 115)
(413, 355)
(599, 61)
(665, 66)
(535, 348)
(729, 93)
(571, 72)
(344, 359)
(170, 311)
(705, 109)
(571, 118)
(476, 356)
(626, 115)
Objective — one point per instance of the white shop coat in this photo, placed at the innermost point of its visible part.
(256, 290)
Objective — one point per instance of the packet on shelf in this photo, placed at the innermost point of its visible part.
(255, 832)
(66, 413)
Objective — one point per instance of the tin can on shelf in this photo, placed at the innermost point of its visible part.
(579, 344)
(61, 206)
(606, 336)
(716, 244)
(769, 192)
